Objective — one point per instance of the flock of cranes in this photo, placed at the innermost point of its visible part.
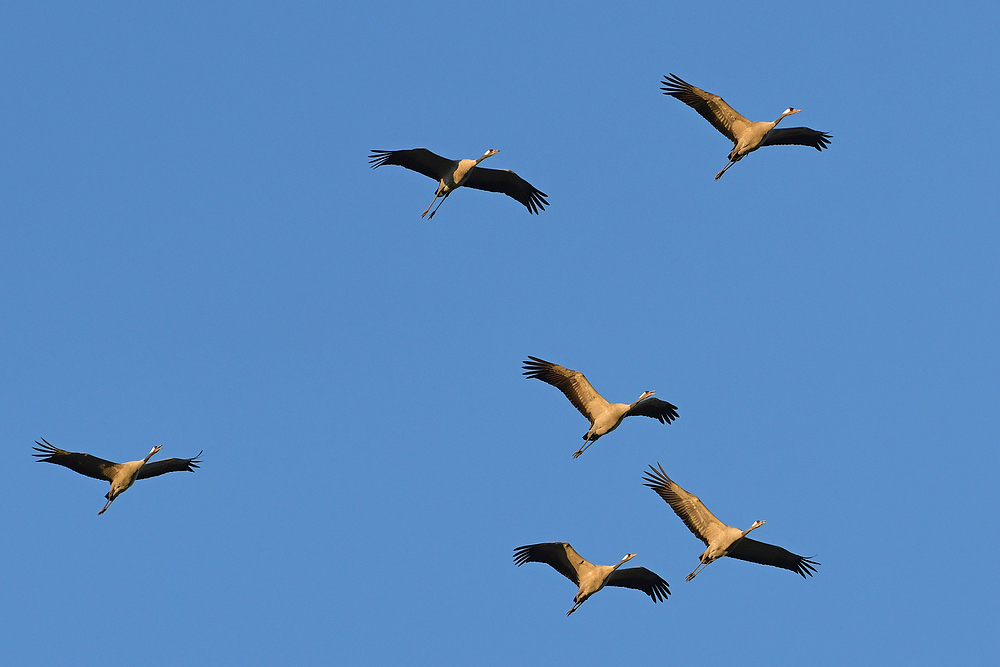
(720, 539)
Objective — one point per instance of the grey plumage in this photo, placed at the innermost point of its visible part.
(591, 578)
(746, 135)
(721, 540)
(453, 174)
(604, 416)
(120, 475)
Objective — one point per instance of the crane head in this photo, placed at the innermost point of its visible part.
(789, 111)
(155, 449)
(489, 153)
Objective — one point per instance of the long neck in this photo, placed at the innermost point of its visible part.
(645, 395)
(780, 118)
(627, 558)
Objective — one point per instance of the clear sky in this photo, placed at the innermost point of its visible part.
(196, 254)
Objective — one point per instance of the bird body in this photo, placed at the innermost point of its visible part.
(453, 174)
(591, 578)
(719, 538)
(604, 416)
(124, 477)
(746, 135)
(120, 475)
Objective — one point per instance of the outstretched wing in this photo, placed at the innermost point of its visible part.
(154, 468)
(657, 409)
(640, 579)
(419, 160)
(711, 107)
(85, 464)
(556, 554)
(687, 506)
(798, 136)
(572, 383)
(509, 183)
(768, 554)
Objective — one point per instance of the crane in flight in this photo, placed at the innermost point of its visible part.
(591, 578)
(721, 540)
(604, 416)
(452, 174)
(746, 135)
(120, 475)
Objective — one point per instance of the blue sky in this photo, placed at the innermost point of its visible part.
(197, 255)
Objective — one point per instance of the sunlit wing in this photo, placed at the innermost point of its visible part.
(687, 506)
(556, 554)
(571, 383)
(711, 107)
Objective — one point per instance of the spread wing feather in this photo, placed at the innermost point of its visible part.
(640, 579)
(572, 383)
(507, 182)
(419, 160)
(556, 554)
(768, 554)
(154, 468)
(657, 409)
(85, 464)
(687, 506)
(798, 136)
(711, 107)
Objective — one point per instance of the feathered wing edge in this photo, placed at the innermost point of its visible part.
(556, 554)
(769, 554)
(507, 182)
(657, 409)
(85, 464)
(154, 468)
(641, 579)
(573, 384)
(419, 160)
(698, 518)
(710, 106)
(797, 136)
